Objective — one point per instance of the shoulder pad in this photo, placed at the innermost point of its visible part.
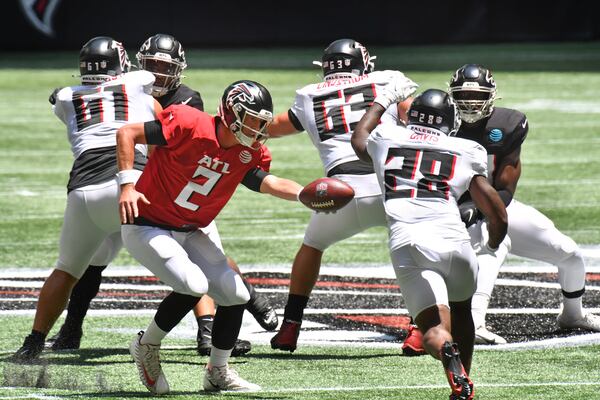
(505, 130)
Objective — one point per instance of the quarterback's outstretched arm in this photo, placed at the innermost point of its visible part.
(363, 129)
(487, 200)
(280, 187)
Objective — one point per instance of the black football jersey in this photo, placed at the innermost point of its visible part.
(502, 133)
(182, 95)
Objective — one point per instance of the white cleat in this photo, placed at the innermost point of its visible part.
(226, 379)
(484, 336)
(589, 322)
(147, 361)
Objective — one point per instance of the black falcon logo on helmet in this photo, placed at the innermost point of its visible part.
(39, 13)
(240, 92)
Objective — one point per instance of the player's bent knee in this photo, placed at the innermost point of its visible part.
(232, 290)
(188, 279)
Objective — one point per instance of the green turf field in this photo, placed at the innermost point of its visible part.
(556, 85)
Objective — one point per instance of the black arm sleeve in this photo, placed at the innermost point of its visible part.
(506, 196)
(254, 178)
(294, 120)
(154, 134)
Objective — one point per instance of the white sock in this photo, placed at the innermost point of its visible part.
(479, 307)
(489, 266)
(572, 308)
(218, 357)
(153, 334)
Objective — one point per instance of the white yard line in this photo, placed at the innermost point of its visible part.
(368, 388)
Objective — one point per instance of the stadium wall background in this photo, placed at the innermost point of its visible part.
(196, 23)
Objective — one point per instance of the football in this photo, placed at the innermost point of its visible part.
(326, 195)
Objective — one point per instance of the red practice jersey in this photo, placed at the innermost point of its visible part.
(190, 179)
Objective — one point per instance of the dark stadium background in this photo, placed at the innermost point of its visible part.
(217, 24)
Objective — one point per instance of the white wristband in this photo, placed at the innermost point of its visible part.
(127, 176)
(490, 248)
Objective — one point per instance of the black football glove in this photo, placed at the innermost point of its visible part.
(469, 214)
(52, 98)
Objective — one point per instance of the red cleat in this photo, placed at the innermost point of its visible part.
(461, 384)
(287, 337)
(413, 344)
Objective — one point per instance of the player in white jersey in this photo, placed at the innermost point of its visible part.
(328, 111)
(423, 171)
(108, 98)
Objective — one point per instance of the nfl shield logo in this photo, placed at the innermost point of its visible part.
(321, 190)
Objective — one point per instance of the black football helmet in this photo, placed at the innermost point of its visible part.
(240, 100)
(102, 58)
(346, 57)
(162, 55)
(473, 88)
(435, 109)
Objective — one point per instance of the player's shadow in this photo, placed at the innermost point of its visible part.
(102, 356)
(314, 357)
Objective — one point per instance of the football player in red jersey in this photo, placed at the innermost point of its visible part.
(164, 57)
(198, 162)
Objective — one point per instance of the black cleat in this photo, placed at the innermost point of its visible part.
(31, 349)
(204, 341)
(461, 384)
(67, 338)
(264, 313)
(240, 348)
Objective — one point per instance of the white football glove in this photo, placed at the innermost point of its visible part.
(397, 90)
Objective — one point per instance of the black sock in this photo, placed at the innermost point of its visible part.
(205, 319)
(83, 292)
(294, 309)
(226, 326)
(38, 336)
(172, 310)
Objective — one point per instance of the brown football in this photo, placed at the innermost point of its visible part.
(326, 194)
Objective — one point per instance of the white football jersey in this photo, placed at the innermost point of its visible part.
(330, 110)
(93, 113)
(422, 176)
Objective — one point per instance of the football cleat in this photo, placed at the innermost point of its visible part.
(30, 351)
(226, 379)
(484, 336)
(413, 343)
(461, 384)
(67, 338)
(147, 361)
(204, 341)
(264, 313)
(287, 337)
(240, 348)
(589, 322)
